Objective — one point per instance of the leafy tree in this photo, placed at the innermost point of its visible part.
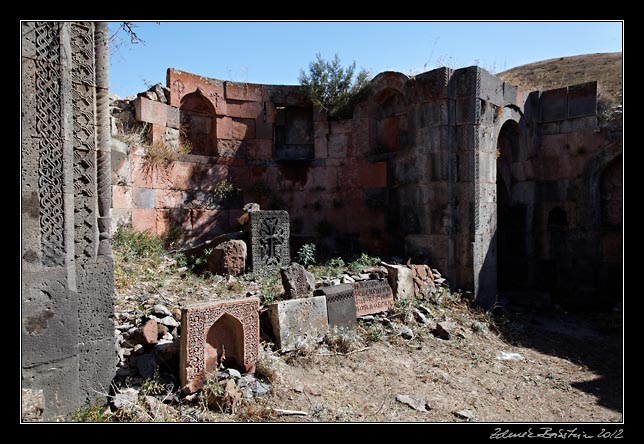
(331, 86)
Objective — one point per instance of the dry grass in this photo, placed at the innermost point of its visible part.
(605, 68)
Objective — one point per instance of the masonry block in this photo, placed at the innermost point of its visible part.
(582, 100)
(221, 332)
(298, 322)
(243, 91)
(121, 197)
(374, 175)
(146, 110)
(143, 197)
(554, 104)
(144, 219)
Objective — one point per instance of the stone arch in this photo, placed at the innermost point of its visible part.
(225, 339)
(198, 123)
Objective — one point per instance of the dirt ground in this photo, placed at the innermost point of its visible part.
(568, 373)
(570, 367)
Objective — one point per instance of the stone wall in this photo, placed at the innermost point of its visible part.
(67, 336)
(418, 172)
(563, 203)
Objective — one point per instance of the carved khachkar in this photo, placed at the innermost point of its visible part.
(50, 138)
(269, 234)
(223, 332)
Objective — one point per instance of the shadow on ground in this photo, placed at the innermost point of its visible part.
(593, 340)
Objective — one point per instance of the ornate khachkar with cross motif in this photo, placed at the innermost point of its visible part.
(269, 235)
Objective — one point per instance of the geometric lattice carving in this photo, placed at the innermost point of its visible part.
(269, 239)
(213, 330)
(84, 139)
(49, 132)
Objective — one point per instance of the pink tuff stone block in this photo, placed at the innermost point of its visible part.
(146, 110)
(144, 219)
(121, 197)
(221, 332)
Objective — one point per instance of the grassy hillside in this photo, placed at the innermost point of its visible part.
(606, 68)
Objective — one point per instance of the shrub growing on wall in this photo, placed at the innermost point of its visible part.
(333, 87)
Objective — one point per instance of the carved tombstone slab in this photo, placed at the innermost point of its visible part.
(340, 305)
(228, 258)
(269, 235)
(222, 332)
(372, 296)
(298, 322)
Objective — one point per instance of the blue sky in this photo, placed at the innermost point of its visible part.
(275, 52)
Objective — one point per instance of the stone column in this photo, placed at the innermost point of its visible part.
(103, 138)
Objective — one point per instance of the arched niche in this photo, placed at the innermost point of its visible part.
(390, 121)
(198, 123)
(511, 216)
(610, 192)
(224, 344)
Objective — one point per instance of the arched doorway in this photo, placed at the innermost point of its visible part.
(611, 234)
(225, 344)
(198, 124)
(511, 216)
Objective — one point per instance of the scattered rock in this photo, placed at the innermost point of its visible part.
(161, 310)
(508, 356)
(297, 282)
(401, 280)
(231, 372)
(260, 388)
(228, 258)
(160, 92)
(166, 338)
(150, 95)
(158, 410)
(247, 209)
(148, 333)
(415, 403)
(245, 380)
(420, 317)
(125, 398)
(444, 330)
(405, 332)
(162, 329)
(168, 321)
(346, 279)
(465, 414)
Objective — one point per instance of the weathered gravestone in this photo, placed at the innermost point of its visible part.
(269, 236)
(228, 258)
(297, 282)
(222, 332)
(298, 322)
(372, 296)
(340, 305)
